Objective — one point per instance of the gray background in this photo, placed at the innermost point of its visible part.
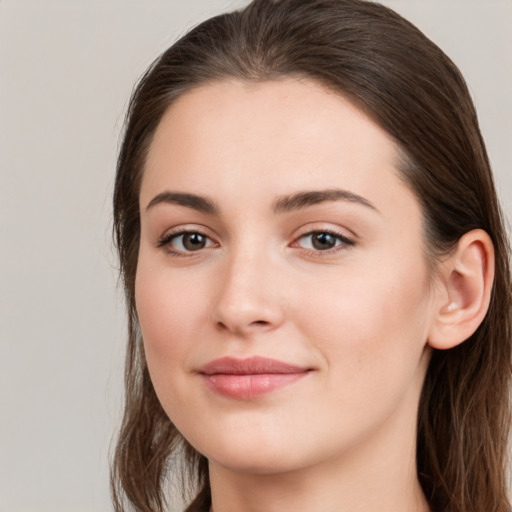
(66, 71)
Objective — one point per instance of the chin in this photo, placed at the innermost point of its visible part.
(246, 451)
(255, 462)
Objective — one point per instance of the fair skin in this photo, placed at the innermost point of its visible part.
(335, 285)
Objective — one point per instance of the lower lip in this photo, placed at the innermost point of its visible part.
(247, 387)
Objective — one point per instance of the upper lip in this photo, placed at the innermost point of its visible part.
(250, 366)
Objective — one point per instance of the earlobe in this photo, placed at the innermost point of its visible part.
(464, 292)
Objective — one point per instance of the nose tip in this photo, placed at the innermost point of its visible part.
(248, 301)
(238, 325)
(246, 314)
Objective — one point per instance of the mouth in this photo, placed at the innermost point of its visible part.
(246, 379)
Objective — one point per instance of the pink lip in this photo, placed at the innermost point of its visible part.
(246, 379)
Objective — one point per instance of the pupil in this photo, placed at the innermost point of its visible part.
(323, 241)
(194, 241)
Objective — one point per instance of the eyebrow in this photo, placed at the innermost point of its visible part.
(283, 204)
(193, 201)
(303, 200)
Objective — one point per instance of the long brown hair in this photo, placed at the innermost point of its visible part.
(388, 68)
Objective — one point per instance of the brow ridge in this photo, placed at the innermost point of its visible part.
(305, 199)
(283, 204)
(193, 201)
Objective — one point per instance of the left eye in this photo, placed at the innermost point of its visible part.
(323, 240)
(189, 241)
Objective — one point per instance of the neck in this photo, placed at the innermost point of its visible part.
(368, 490)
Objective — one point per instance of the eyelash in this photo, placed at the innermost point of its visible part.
(165, 242)
(345, 242)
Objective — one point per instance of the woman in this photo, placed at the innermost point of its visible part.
(316, 271)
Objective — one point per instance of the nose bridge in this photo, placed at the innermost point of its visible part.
(248, 293)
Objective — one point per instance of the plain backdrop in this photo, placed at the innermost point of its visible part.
(67, 68)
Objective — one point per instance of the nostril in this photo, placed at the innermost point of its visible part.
(226, 327)
(222, 326)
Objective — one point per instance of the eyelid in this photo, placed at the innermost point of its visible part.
(326, 227)
(165, 240)
(346, 241)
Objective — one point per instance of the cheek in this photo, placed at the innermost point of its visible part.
(169, 313)
(371, 324)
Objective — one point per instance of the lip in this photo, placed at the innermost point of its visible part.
(246, 379)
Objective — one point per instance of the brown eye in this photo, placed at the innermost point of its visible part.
(193, 241)
(186, 242)
(324, 241)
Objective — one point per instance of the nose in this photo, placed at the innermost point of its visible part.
(250, 297)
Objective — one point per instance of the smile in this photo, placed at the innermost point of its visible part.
(246, 379)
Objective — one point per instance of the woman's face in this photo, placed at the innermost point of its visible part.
(282, 288)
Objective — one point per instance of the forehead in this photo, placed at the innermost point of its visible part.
(231, 137)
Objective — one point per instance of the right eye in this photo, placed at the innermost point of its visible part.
(185, 242)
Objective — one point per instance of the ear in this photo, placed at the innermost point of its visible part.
(464, 291)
